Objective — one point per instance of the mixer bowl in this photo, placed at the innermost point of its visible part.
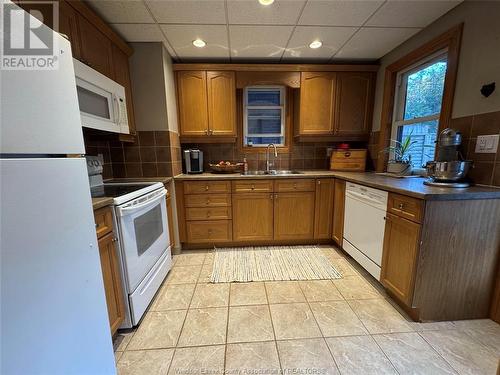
(448, 170)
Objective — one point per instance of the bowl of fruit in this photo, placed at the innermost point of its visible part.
(224, 167)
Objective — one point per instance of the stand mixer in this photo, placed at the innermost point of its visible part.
(449, 169)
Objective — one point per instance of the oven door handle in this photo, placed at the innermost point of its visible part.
(123, 211)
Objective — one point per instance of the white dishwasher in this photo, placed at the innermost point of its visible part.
(364, 226)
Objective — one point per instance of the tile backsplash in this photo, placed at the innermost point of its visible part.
(300, 155)
(154, 154)
(486, 169)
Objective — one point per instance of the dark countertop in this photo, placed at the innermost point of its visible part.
(413, 187)
(163, 180)
(101, 202)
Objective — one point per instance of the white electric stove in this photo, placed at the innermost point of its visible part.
(140, 216)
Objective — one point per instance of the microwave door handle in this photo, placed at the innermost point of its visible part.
(116, 110)
(123, 211)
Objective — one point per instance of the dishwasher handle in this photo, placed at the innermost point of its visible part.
(363, 197)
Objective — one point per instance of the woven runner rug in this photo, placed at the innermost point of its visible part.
(271, 263)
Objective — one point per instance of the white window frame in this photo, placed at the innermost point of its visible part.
(400, 95)
(281, 107)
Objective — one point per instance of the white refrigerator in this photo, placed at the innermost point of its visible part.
(53, 311)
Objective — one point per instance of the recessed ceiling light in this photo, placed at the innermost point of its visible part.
(266, 2)
(200, 43)
(315, 44)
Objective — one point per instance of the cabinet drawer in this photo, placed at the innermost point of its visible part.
(252, 186)
(295, 185)
(208, 200)
(198, 187)
(208, 213)
(103, 221)
(209, 231)
(404, 206)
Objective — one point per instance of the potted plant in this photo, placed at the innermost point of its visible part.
(400, 163)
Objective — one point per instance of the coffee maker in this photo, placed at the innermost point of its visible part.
(449, 169)
(193, 161)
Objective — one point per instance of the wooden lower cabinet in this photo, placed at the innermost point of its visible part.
(294, 216)
(170, 218)
(209, 231)
(253, 216)
(401, 244)
(338, 211)
(112, 281)
(324, 208)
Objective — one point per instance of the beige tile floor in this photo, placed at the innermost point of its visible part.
(346, 326)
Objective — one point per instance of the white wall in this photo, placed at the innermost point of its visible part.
(171, 98)
(148, 90)
(479, 61)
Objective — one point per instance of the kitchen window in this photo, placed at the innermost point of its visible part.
(264, 116)
(417, 107)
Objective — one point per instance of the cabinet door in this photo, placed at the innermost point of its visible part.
(96, 48)
(253, 216)
(401, 244)
(170, 218)
(69, 27)
(323, 214)
(192, 95)
(354, 103)
(221, 103)
(294, 216)
(317, 98)
(112, 281)
(122, 76)
(338, 211)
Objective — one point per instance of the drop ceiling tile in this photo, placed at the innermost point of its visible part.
(410, 13)
(121, 11)
(181, 39)
(281, 12)
(338, 12)
(188, 11)
(258, 42)
(373, 42)
(332, 38)
(137, 32)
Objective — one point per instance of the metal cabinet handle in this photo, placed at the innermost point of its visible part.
(211, 132)
(206, 188)
(206, 132)
(319, 182)
(253, 187)
(275, 196)
(401, 205)
(271, 196)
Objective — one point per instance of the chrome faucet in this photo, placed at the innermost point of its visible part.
(268, 163)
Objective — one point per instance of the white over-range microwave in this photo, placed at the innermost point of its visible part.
(102, 101)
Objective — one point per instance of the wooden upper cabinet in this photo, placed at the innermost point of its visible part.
(69, 27)
(354, 103)
(401, 244)
(253, 216)
(317, 98)
(338, 211)
(323, 213)
(192, 102)
(294, 216)
(96, 48)
(112, 282)
(122, 76)
(221, 90)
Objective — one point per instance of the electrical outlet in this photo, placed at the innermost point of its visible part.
(487, 144)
